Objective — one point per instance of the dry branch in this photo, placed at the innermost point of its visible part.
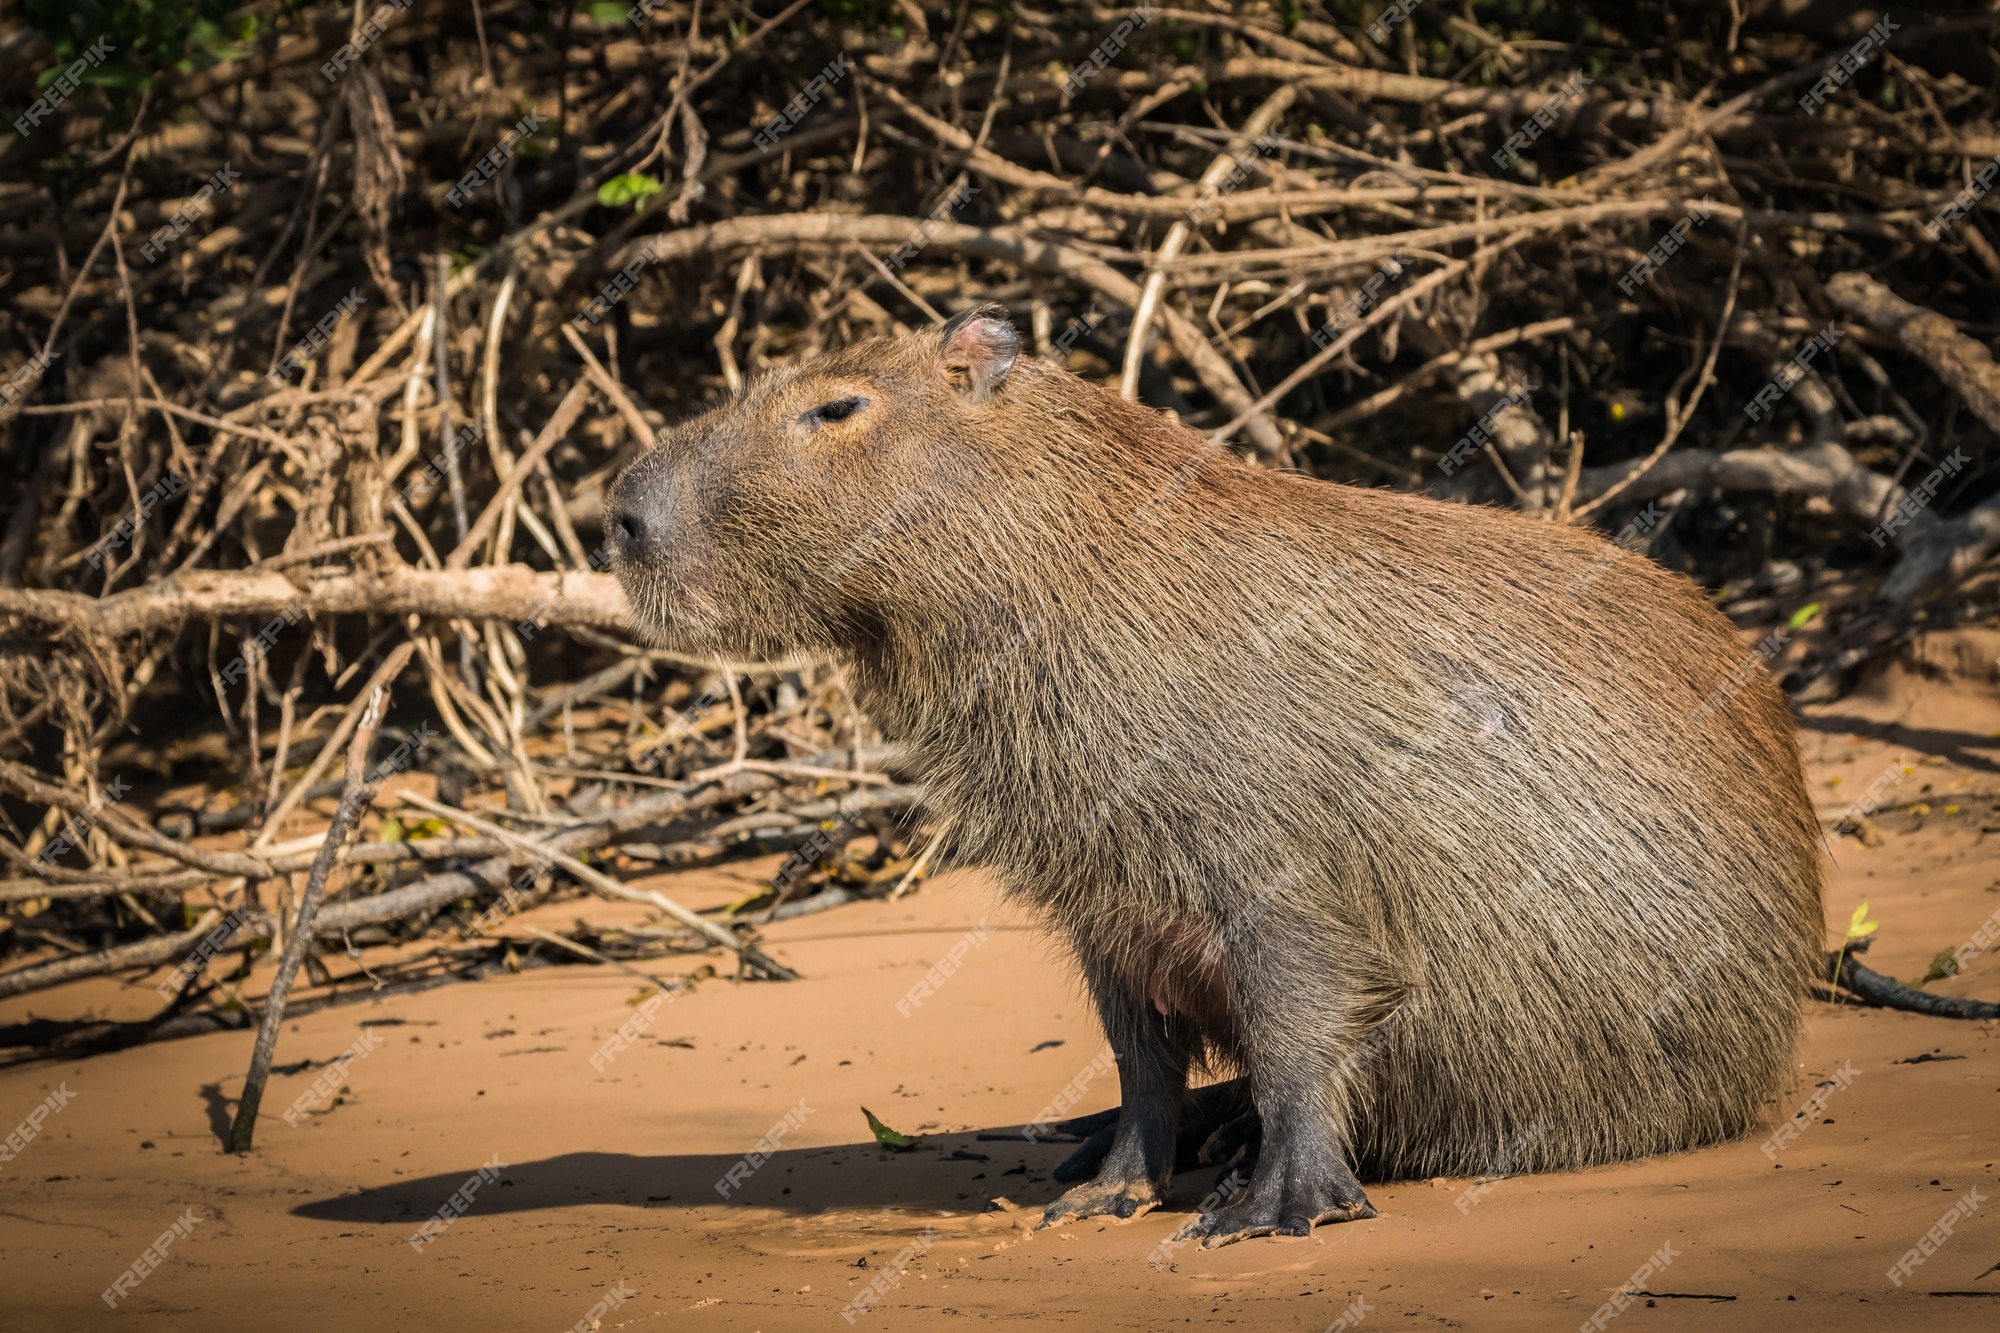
(1959, 361)
(139, 953)
(498, 859)
(300, 499)
(1942, 552)
(509, 592)
(25, 783)
(1826, 470)
(298, 939)
(610, 887)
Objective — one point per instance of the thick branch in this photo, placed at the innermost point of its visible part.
(139, 953)
(25, 783)
(604, 884)
(1824, 469)
(1845, 970)
(1241, 206)
(511, 592)
(1947, 551)
(1959, 361)
(427, 894)
(1360, 84)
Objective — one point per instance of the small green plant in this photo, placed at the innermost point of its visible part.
(633, 188)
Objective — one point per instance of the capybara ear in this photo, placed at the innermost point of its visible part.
(979, 348)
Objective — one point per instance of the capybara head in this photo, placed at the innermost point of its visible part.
(761, 526)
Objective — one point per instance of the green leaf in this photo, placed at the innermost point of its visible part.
(1942, 966)
(632, 188)
(391, 830)
(886, 1136)
(1802, 615)
(608, 12)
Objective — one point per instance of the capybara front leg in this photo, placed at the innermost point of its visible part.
(1152, 1077)
(1309, 1052)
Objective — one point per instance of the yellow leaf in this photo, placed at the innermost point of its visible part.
(742, 903)
(1858, 925)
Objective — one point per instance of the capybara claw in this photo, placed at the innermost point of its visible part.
(1122, 1200)
(1249, 1217)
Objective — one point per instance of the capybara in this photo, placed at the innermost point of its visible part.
(1468, 838)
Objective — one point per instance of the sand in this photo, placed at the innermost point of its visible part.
(599, 1195)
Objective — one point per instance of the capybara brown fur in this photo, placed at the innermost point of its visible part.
(1469, 838)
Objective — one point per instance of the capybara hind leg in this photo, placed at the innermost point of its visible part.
(1153, 1062)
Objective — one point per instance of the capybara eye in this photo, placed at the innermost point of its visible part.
(840, 409)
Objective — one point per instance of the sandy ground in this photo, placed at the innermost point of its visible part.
(607, 1183)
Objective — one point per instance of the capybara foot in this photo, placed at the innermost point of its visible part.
(1122, 1199)
(1278, 1205)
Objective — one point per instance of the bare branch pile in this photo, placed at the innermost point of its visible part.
(326, 328)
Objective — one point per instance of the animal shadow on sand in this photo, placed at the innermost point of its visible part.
(950, 1172)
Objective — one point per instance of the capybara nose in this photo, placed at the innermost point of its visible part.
(628, 532)
(639, 511)
(639, 520)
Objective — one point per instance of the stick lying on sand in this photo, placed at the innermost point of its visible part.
(1845, 972)
(610, 887)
